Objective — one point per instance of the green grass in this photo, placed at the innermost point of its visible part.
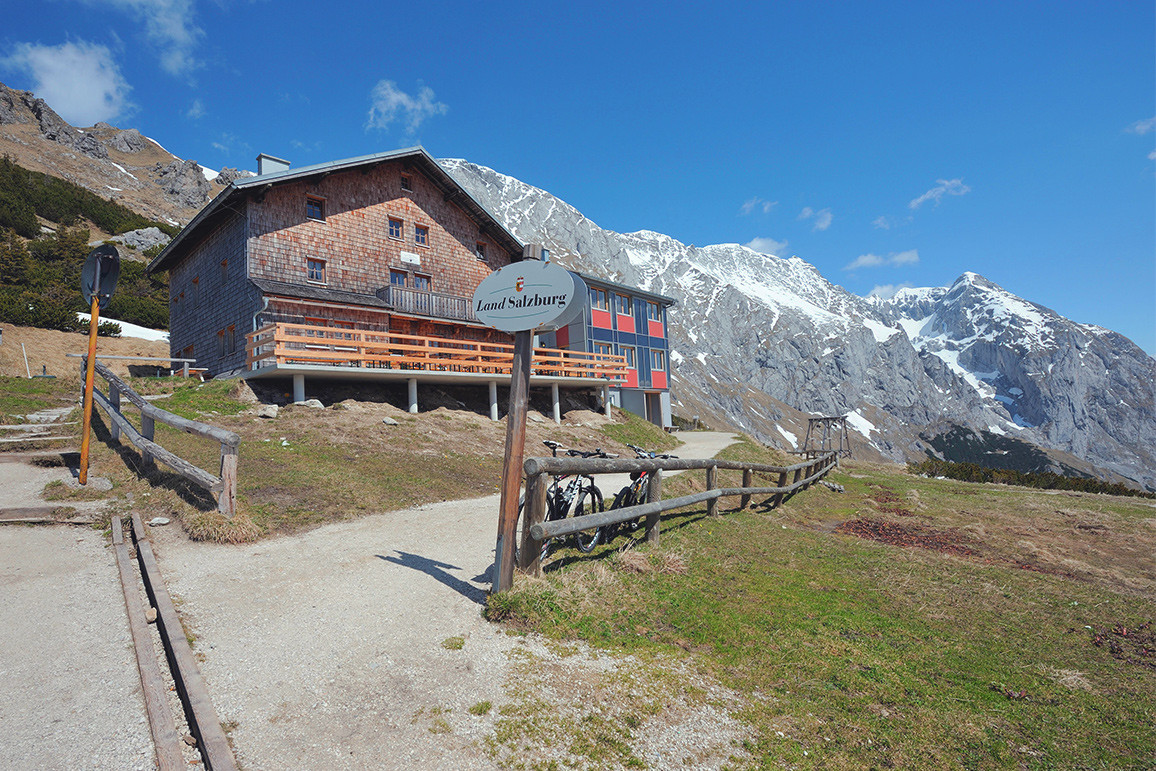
(857, 654)
(639, 431)
(20, 396)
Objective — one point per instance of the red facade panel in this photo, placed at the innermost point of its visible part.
(601, 319)
(625, 323)
(658, 379)
(654, 328)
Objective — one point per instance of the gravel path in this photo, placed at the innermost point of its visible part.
(361, 644)
(69, 689)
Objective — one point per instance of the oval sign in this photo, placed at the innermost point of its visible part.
(100, 273)
(524, 295)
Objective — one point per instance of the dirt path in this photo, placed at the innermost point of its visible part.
(361, 644)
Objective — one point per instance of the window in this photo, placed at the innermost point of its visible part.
(314, 207)
(196, 291)
(231, 339)
(395, 228)
(628, 352)
(653, 312)
(657, 360)
(603, 348)
(421, 235)
(599, 299)
(397, 277)
(407, 183)
(221, 343)
(424, 283)
(480, 250)
(224, 271)
(316, 270)
(622, 304)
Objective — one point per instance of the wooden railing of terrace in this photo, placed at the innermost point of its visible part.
(288, 344)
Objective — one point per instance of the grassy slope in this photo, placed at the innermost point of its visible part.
(853, 653)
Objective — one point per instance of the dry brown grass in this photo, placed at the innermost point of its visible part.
(49, 348)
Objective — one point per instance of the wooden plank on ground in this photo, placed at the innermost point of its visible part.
(203, 722)
(164, 731)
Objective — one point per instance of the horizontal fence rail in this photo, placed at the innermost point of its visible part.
(283, 343)
(539, 470)
(224, 486)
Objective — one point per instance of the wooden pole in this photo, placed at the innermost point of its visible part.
(533, 512)
(748, 479)
(89, 376)
(653, 495)
(512, 469)
(711, 483)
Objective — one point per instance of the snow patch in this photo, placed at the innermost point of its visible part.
(122, 169)
(794, 440)
(996, 430)
(882, 332)
(132, 330)
(860, 423)
(675, 357)
(209, 173)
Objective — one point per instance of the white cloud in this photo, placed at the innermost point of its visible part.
(882, 223)
(822, 217)
(909, 257)
(1142, 127)
(197, 110)
(767, 246)
(168, 26)
(887, 291)
(944, 187)
(1152, 155)
(389, 103)
(80, 81)
(757, 203)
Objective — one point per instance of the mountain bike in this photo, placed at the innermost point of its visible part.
(576, 497)
(633, 494)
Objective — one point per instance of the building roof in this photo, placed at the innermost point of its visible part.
(324, 294)
(626, 289)
(417, 156)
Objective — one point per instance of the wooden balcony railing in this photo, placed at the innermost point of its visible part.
(288, 344)
(405, 299)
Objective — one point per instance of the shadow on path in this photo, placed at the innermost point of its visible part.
(434, 569)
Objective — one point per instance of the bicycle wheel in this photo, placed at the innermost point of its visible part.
(638, 494)
(589, 502)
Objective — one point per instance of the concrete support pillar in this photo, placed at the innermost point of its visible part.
(557, 403)
(298, 388)
(413, 394)
(606, 399)
(493, 400)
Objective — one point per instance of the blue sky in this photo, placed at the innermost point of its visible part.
(889, 144)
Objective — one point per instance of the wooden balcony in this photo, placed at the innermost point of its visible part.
(289, 346)
(403, 299)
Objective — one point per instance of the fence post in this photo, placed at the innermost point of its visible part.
(748, 478)
(653, 494)
(147, 429)
(533, 512)
(227, 503)
(114, 400)
(711, 479)
(779, 496)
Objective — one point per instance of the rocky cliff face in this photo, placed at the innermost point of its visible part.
(762, 341)
(114, 163)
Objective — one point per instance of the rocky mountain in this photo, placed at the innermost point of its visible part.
(762, 342)
(119, 164)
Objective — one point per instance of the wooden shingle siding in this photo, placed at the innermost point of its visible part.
(218, 304)
(354, 237)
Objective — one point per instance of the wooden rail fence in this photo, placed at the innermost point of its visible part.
(224, 486)
(539, 470)
(285, 343)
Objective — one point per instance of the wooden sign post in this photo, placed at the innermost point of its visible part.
(522, 298)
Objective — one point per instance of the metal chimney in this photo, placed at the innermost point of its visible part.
(267, 164)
